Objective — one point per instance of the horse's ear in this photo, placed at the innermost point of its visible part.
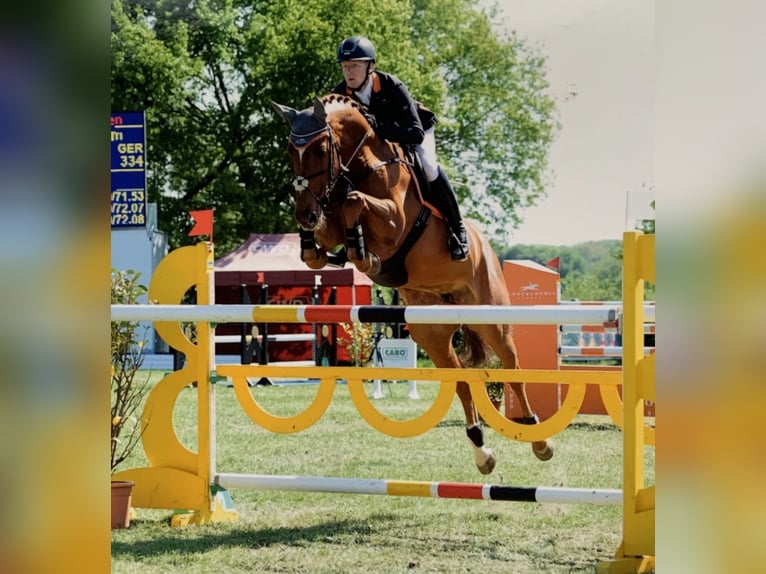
(286, 113)
(319, 112)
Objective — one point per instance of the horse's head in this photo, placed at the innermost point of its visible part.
(315, 152)
(309, 149)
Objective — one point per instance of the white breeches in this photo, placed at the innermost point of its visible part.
(427, 153)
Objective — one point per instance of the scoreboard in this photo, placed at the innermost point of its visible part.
(128, 175)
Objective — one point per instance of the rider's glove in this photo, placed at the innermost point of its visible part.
(371, 120)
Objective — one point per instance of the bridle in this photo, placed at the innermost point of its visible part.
(301, 182)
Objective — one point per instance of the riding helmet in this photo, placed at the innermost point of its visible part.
(356, 48)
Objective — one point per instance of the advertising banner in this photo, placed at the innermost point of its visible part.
(396, 353)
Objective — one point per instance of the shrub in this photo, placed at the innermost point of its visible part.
(360, 343)
(127, 355)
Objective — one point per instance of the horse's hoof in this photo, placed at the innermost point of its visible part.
(375, 265)
(545, 453)
(489, 464)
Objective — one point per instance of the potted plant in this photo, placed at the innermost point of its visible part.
(360, 342)
(495, 389)
(495, 392)
(128, 389)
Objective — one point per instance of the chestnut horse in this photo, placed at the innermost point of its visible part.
(358, 193)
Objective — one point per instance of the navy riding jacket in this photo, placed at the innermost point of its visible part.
(398, 117)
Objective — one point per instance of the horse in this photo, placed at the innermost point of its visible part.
(358, 198)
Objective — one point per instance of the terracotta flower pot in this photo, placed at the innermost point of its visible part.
(122, 491)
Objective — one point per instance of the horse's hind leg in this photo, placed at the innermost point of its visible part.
(499, 338)
(436, 341)
(485, 457)
(542, 448)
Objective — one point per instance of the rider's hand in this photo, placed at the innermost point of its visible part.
(371, 120)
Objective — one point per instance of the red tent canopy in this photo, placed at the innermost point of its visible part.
(275, 260)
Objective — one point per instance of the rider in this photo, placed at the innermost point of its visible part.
(397, 117)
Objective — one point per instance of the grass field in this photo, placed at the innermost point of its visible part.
(281, 532)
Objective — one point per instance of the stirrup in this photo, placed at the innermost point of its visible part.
(458, 249)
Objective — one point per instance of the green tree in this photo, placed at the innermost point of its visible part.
(206, 72)
(646, 226)
(591, 287)
(590, 271)
(588, 257)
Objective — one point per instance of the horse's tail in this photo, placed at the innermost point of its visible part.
(474, 351)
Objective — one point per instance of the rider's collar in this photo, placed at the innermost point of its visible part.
(364, 94)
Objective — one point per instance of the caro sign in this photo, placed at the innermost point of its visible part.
(396, 353)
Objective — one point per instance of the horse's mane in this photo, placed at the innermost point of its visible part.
(304, 125)
(333, 102)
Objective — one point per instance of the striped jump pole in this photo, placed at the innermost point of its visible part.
(649, 328)
(614, 302)
(285, 338)
(608, 351)
(541, 494)
(424, 315)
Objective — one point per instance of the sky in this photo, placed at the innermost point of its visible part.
(600, 59)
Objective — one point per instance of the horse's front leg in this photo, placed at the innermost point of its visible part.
(384, 211)
(311, 254)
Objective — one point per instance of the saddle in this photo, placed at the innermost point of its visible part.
(414, 159)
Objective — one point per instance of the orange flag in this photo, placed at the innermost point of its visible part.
(203, 223)
(554, 263)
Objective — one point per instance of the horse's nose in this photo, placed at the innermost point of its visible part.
(308, 218)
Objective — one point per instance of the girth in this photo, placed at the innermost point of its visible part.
(393, 273)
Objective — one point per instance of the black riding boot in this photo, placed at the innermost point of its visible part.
(445, 200)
